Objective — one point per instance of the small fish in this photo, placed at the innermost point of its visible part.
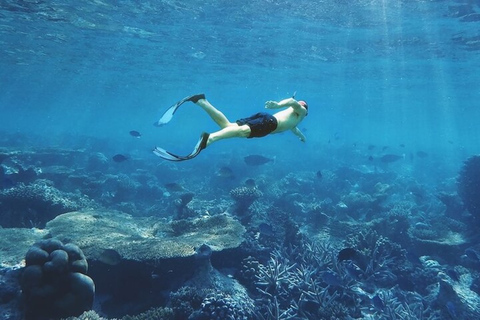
(370, 158)
(353, 270)
(346, 254)
(265, 229)
(225, 172)
(250, 183)
(371, 147)
(422, 154)
(389, 158)
(384, 148)
(402, 145)
(186, 198)
(135, 134)
(319, 174)
(256, 160)
(173, 187)
(110, 257)
(452, 310)
(119, 158)
(378, 302)
(453, 274)
(472, 254)
(331, 278)
(3, 156)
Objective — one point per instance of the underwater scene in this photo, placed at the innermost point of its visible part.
(264, 159)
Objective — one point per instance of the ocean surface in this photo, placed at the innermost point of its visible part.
(393, 94)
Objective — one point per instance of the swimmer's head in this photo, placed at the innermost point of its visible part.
(303, 104)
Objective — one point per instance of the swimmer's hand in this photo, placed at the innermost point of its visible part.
(271, 105)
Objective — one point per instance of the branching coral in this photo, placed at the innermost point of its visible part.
(275, 275)
(380, 257)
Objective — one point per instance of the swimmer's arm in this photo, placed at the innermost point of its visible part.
(290, 102)
(299, 134)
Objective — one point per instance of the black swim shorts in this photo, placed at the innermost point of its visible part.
(260, 124)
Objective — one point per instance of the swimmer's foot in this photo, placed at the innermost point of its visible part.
(203, 141)
(167, 155)
(168, 115)
(196, 97)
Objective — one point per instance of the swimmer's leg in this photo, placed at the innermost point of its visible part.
(231, 131)
(216, 115)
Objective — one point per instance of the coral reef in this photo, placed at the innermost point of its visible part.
(154, 313)
(469, 185)
(244, 197)
(12, 255)
(221, 306)
(144, 239)
(54, 282)
(87, 315)
(179, 255)
(34, 204)
(10, 292)
(221, 297)
(181, 204)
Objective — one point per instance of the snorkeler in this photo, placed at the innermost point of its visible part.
(258, 125)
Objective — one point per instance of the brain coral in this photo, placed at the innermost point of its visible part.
(54, 281)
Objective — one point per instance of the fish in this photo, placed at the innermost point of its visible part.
(319, 174)
(371, 147)
(452, 309)
(331, 278)
(3, 156)
(135, 134)
(186, 198)
(173, 187)
(378, 302)
(250, 183)
(265, 229)
(370, 158)
(119, 158)
(384, 148)
(472, 254)
(225, 172)
(346, 254)
(353, 270)
(422, 154)
(401, 145)
(110, 257)
(256, 160)
(452, 274)
(389, 158)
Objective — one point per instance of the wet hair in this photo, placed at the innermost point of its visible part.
(304, 104)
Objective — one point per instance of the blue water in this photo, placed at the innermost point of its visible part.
(373, 72)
